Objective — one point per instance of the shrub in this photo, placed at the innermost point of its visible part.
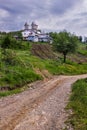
(19, 77)
(6, 43)
(9, 57)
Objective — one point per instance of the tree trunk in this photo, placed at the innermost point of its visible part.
(64, 58)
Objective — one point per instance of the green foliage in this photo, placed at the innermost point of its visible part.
(57, 67)
(83, 52)
(9, 57)
(19, 77)
(6, 93)
(82, 49)
(6, 42)
(65, 43)
(16, 33)
(78, 103)
(53, 35)
(9, 42)
(17, 68)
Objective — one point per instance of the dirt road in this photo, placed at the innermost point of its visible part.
(41, 107)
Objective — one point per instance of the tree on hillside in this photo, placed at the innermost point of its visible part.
(6, 43)
(53, 35)
(65, 43)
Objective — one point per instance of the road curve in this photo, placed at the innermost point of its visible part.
(41, 107)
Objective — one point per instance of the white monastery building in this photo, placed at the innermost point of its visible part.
(34, 34)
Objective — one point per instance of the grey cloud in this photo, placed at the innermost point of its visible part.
(43, 10)
(59, 7)
(22, 10)
(82, 14)
(22, 6)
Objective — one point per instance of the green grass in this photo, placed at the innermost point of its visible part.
(19, 73)
(82, 49)
(18, 66)
(83, 52)
(57, 68)
(78, 103)
(18, 77)
(22, 71)
(7, 93)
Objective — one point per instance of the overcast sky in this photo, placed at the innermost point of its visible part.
(50, 15)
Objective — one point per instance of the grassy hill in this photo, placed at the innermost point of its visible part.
(26, 62)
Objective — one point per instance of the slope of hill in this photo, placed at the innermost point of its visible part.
(36, 61)
(43, 51)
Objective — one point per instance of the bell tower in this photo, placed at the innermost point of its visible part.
(26, 26)
(34, 26)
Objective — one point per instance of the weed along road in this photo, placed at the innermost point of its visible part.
(41, 107)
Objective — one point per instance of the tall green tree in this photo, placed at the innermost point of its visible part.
(65, 43)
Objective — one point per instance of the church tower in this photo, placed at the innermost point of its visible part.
(34, 26)
(26, 26)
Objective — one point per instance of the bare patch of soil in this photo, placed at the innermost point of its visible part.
(44, 51)
(44, 73)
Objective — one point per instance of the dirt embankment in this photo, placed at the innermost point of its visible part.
(44, 51)
(41, 107)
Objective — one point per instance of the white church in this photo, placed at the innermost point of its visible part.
(33, 34)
